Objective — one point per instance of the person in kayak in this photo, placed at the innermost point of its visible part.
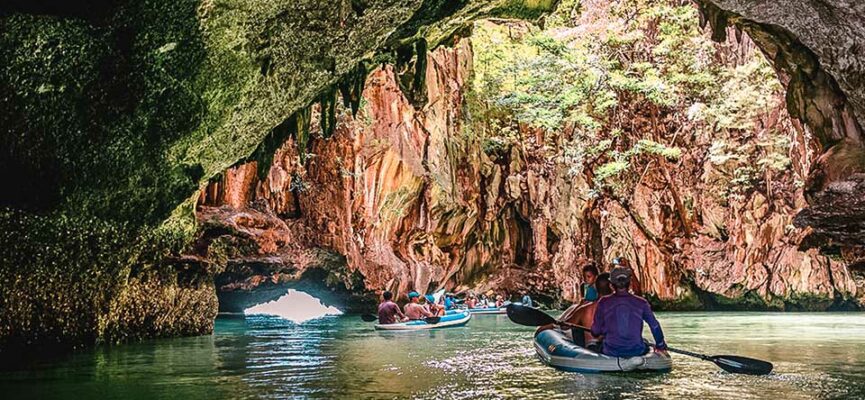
(431, 306)
(388, 311)
(587, 288)
(414, 310)
(619, 319)
(635, 287)
(500, 301)
(583, 315)
(449, 301)
(527, 300)
(472, 301)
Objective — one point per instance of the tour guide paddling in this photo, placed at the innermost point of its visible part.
(619, 318)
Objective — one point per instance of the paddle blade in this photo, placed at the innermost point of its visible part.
(528, 316)
(368, 317)
(432, 320)
(742, 365)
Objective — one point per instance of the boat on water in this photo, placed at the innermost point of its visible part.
(491, 310)
(487, 310)
(452, 318)
(555, 349)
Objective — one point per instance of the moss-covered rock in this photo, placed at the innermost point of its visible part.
(117, 111)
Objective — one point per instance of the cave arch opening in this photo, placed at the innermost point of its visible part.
(294, 305)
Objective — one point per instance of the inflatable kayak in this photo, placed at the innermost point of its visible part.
(491, 310)
(557, 351)
(487, 310)
(457, 318)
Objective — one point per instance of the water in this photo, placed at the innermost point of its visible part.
(816, 356)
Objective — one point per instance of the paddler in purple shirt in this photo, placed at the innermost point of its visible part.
(619, 318)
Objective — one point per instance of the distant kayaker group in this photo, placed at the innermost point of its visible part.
(417, 308)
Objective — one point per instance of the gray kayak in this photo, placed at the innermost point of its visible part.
(558, 351)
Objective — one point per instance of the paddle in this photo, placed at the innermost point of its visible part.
(734, 364)
(373, 318)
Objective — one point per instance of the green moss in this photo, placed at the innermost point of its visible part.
(119, 121)
(524, 9)
(75, 281)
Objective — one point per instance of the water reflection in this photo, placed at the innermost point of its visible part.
(816, 356)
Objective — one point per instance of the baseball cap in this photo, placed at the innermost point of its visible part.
(413, 294)
(620, 274)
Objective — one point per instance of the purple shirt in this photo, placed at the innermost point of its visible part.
(387, 312)
(619, 318)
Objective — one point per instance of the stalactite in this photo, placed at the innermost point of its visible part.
(263, 154)
(420, 67)
(328, 112)
(351, 87)
(302, 118)
(412, 74)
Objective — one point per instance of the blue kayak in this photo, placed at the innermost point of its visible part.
(559, 352)
(451, 319)
(487, 310)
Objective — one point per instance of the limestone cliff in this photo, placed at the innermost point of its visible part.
(415, 202)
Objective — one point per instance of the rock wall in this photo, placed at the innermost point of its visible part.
(415, 202)
(815, 46)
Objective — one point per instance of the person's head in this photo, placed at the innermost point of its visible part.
(602, 284)
(387, 295)
(620, 278)
(413, 296)
(500, 297)
(590, 273)
(430, 299)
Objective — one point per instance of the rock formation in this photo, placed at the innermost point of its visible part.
(115, 113)
(414, 203)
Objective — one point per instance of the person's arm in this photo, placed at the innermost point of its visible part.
(399, 312)
(598, 327)
(426, 312)
(569, 313)
(654, 326)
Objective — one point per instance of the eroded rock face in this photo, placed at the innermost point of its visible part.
(816, 47)
(832, 30)
(414, 204)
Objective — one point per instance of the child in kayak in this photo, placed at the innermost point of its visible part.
(619, 318)
(388, 311)
(414, 310)
(587, 288)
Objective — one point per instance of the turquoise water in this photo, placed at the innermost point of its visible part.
(816, 356)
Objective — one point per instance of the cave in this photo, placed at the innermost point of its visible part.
(172, 159)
